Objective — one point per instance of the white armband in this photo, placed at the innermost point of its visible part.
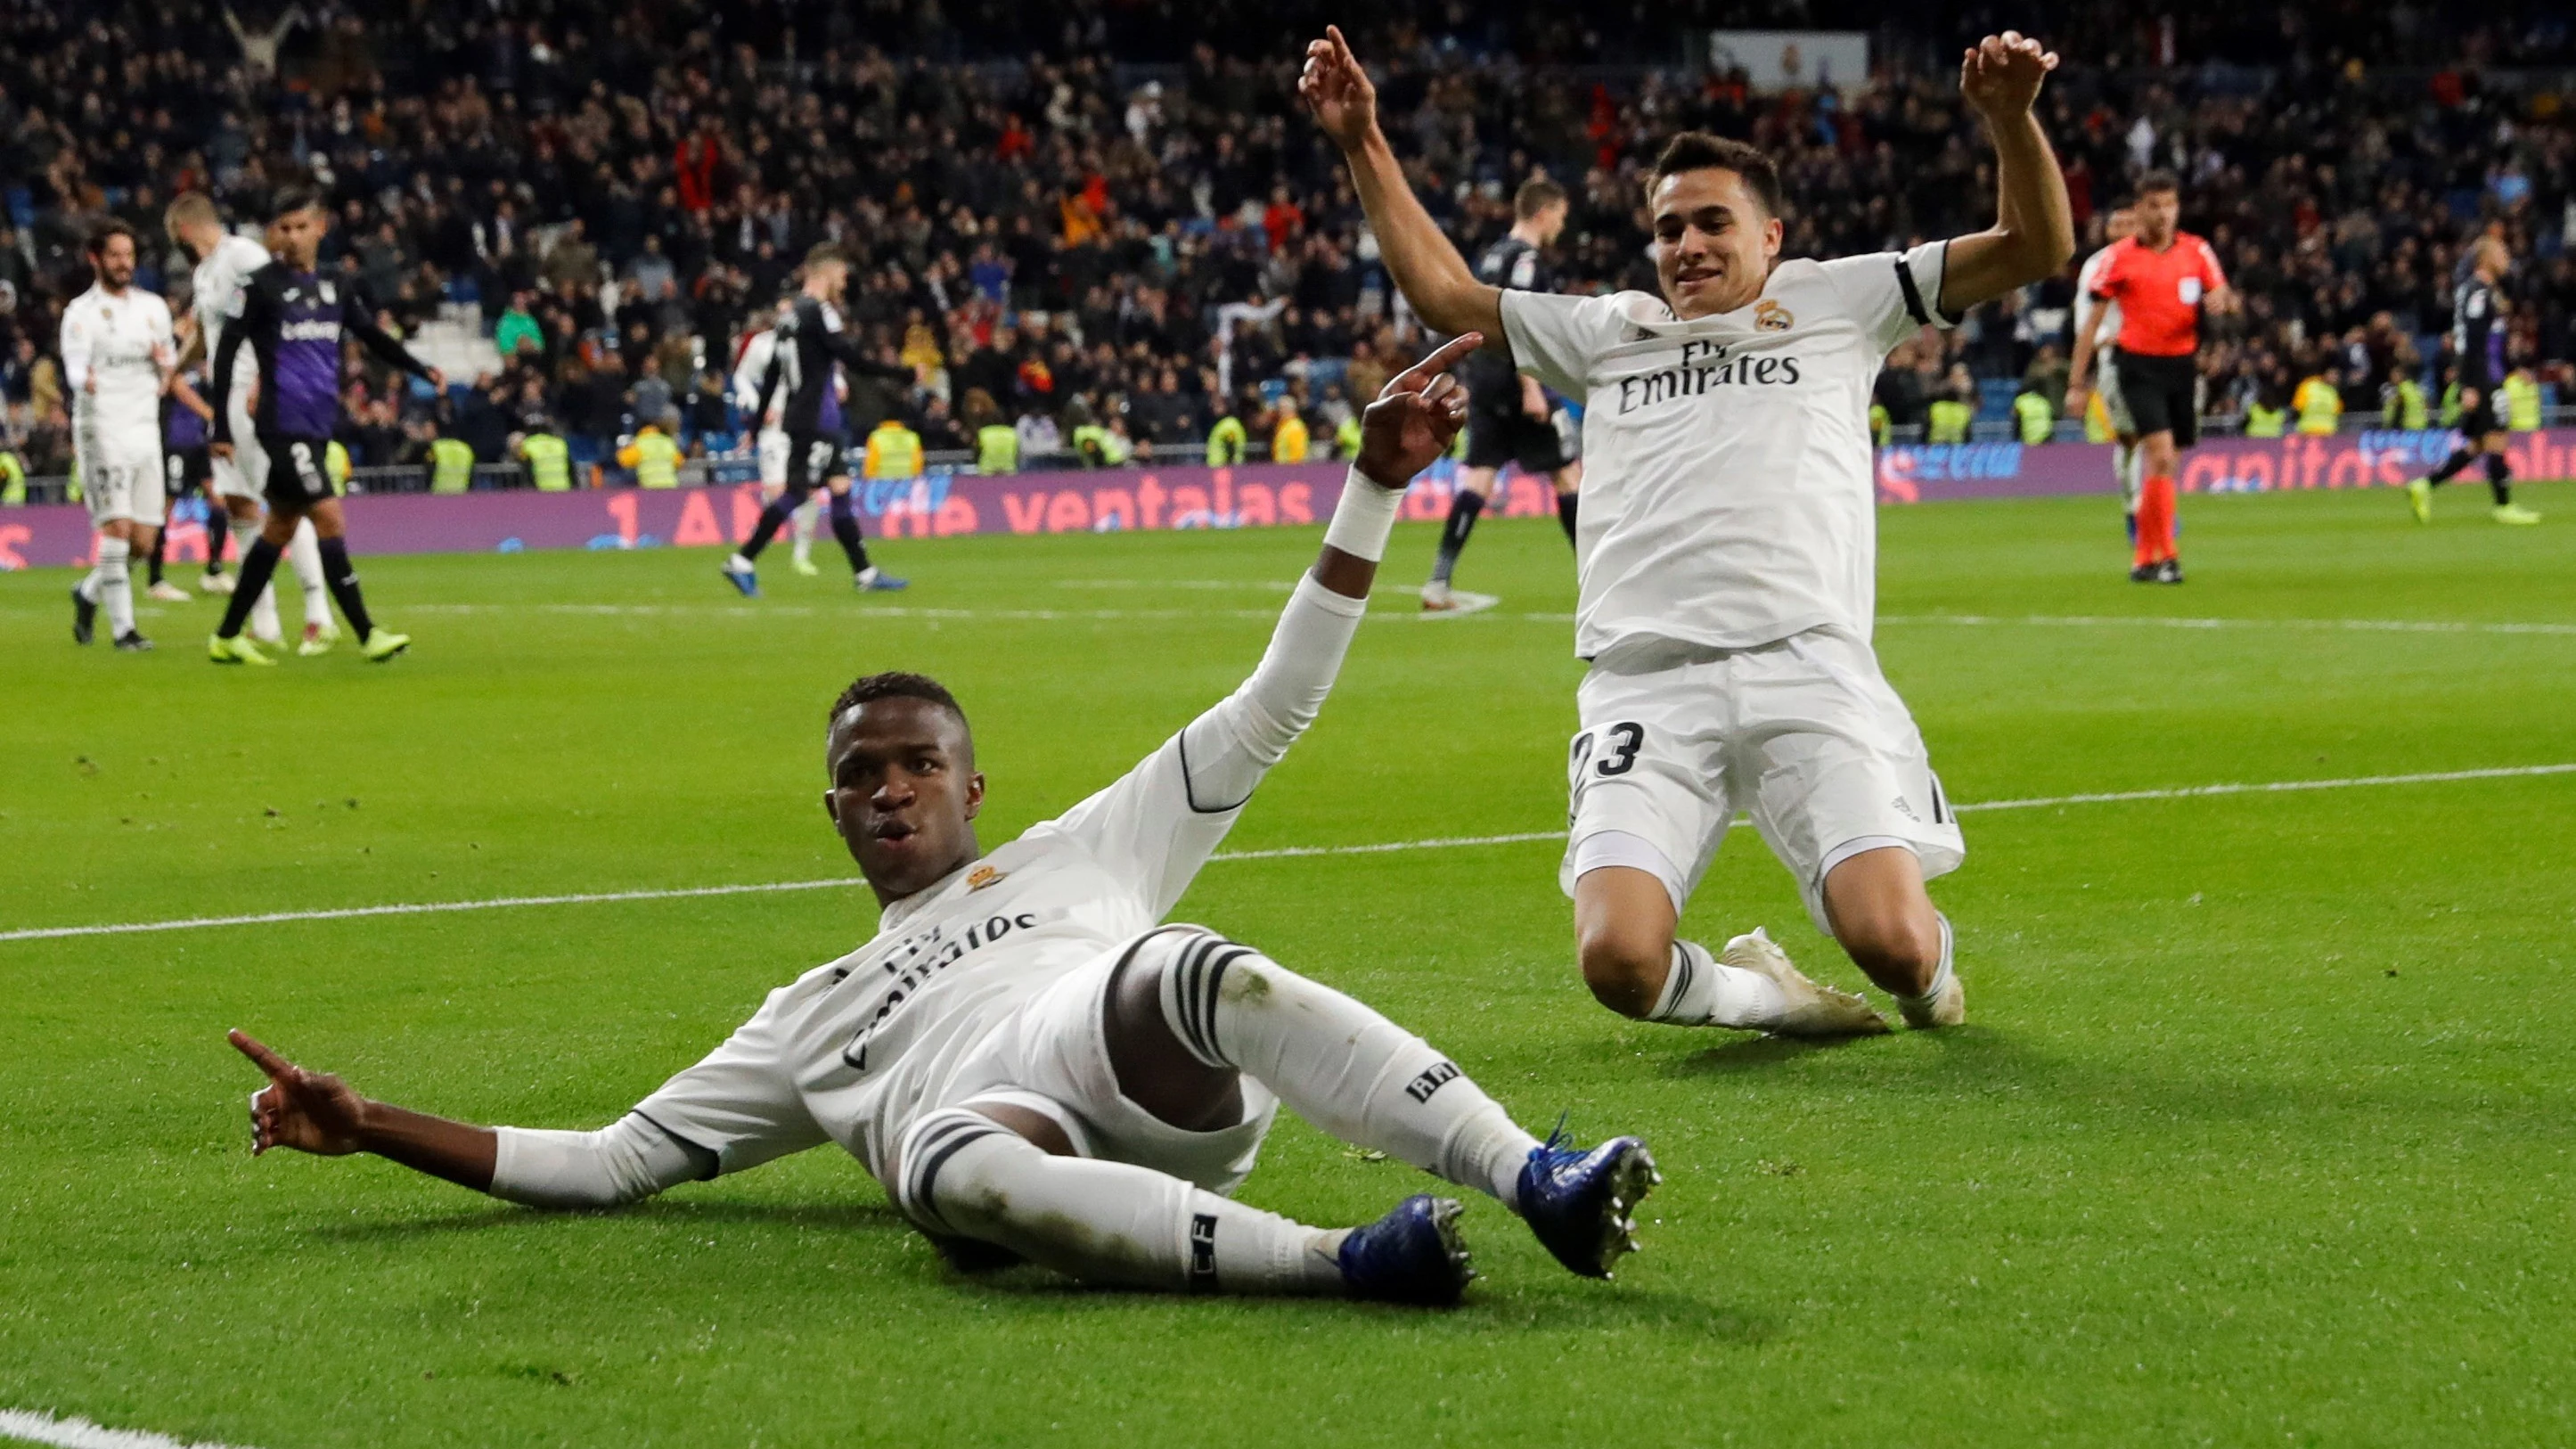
(1364, 517)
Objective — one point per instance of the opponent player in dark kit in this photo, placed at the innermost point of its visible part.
(811, 349)
(292, 320)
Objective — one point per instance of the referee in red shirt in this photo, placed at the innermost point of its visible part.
(2162, 278)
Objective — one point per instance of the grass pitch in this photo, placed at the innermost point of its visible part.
(2260, 1132)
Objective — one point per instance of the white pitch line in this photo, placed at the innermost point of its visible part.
(2366, 626)
(1285, 852)
(41, 1428)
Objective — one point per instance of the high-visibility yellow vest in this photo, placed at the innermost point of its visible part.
(894, 451)
(1346, 438)
(2037, 418)
(2319, 406)
(1227, 439)
(2410, 412)
(1288, 444)
(1101, 448)
(451, 465)
(2451, 405)
(655, 459)
(335, 465)
(1881, 425)
(997, 449)
(2263, 422)
(549, 462)
(2521, 402)
(1948, 422)
(13, 478)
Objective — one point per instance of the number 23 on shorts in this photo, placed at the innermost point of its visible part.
(1604, 754)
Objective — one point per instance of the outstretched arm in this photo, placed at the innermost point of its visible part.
(2034, 231)
(360, 318)
(318, 1113)
(1162, 820)
(1427, 269)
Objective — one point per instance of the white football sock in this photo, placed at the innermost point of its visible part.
(1339, 1065)
(115, 589)
(2125, 458)
(965, 1176)
(87, 588)
(800, 526)
(1698, 991)
(1942, 973)
(304, 552)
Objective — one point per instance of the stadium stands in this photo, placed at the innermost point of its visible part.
(578, 208)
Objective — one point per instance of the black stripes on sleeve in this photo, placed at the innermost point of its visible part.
(1914, 307)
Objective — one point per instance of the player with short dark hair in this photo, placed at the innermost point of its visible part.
(1029, 1061)
(293, 319)
(118, 353)
(2163, 279)
(2477, 351)
(809, 351)
(1728, 552)
(1510, 418)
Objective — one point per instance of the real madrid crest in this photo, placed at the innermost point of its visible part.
(1770, 316)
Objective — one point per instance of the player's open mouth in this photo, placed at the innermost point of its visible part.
(894, 832)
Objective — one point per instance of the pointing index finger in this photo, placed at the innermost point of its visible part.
(267, 1061)
(1445, 354)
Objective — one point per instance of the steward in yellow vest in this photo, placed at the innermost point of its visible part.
(653, 456)
(2521, 401)
(2263, 422)
(451, 465)
(549, 462)
(2319, 406)
(1949, 421)
(1226, 441)
(894, 451)
(2038, 420)
(997, 449)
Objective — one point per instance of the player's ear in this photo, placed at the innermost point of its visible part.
(974, 794)
(1772, 232)
(832, 807)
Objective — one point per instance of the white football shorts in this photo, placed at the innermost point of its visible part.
(1805, 735)
(245, 473)
(1050, 1053)
(121, 480)
(773, 447)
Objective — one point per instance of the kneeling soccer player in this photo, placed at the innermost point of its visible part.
(1025, 1058)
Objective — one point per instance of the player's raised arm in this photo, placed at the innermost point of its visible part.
(1426, 268)
(2034, 230)
(1163, 819)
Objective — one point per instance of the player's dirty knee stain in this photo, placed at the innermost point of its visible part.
(1244, 986)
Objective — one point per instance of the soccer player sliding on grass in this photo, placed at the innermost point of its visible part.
(1028, 1060)
(1727, 552)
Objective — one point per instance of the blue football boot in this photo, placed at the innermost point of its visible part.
(1412, 1255)
(1580, 1202)
(740, 574)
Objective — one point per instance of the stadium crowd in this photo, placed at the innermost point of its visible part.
(1122, 255)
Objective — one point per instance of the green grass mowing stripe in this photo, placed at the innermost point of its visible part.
(1287, 852)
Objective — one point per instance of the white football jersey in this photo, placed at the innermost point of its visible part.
(1728, 490)
(751, 366)
(215, 295)
(108, 347)
(2101, 314)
